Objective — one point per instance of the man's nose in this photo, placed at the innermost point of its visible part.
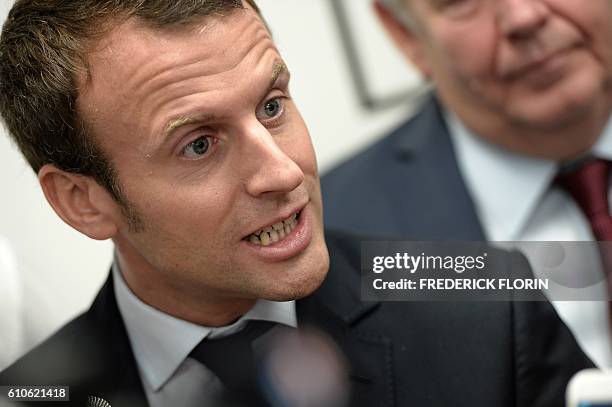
(520, 19)
(271, 170)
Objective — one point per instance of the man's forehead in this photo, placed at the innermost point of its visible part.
(132, 35)
(137, 63)
(134, 40)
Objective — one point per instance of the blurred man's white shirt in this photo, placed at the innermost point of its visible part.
(516, 200)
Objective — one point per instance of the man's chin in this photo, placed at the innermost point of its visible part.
(297, 288)
(548, 116)
(570, 101)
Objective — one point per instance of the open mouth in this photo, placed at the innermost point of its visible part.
(274, 233)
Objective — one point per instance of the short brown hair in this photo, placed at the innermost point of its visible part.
(44, 46)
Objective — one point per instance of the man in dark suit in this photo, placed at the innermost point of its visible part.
(167, 126)
(522, 100)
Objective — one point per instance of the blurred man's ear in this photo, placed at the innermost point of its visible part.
(409, 42)
(81, 202)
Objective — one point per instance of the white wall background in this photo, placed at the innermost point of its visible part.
(61, 270)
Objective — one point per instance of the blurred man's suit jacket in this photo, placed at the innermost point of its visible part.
(399, 353)
(410, 184)
(407, 184)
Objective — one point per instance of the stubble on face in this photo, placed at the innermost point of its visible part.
(189, 257)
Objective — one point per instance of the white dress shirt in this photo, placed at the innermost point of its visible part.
(162, 344)
(516, 200)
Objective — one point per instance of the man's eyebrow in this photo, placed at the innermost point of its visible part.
(185, 121)
(277, 70)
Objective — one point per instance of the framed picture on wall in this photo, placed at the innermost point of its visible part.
(381, 75)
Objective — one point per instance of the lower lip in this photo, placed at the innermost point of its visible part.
(292, 245)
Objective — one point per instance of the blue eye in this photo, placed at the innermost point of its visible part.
(272, 107)
(198, 147)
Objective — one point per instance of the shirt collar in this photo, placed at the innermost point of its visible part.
(159, 354)
(603, 147)
(519, 182)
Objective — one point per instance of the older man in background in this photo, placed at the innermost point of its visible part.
(514, 144)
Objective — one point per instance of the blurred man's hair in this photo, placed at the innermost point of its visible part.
(43, 52)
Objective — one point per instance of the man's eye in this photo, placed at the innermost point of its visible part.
(271, 109)
(197, 148)
(446, 3)
(457, 8)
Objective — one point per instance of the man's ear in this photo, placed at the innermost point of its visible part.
(409, 42)
(81, 202)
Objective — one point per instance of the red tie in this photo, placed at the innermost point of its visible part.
(588, 185)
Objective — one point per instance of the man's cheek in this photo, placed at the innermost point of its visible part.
(301, 151)
(471, 50)
(307, 161)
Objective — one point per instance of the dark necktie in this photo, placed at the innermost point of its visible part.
(588, 185)
(233, 360)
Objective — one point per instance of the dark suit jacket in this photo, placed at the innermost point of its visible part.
(400, 353)
(407, 184)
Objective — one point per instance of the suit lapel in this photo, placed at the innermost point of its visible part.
(336, 309)
(433, 184)
(120, 381)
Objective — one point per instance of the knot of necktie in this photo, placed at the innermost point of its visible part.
(234, 360)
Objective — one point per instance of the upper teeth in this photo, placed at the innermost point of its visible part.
(274, 233)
